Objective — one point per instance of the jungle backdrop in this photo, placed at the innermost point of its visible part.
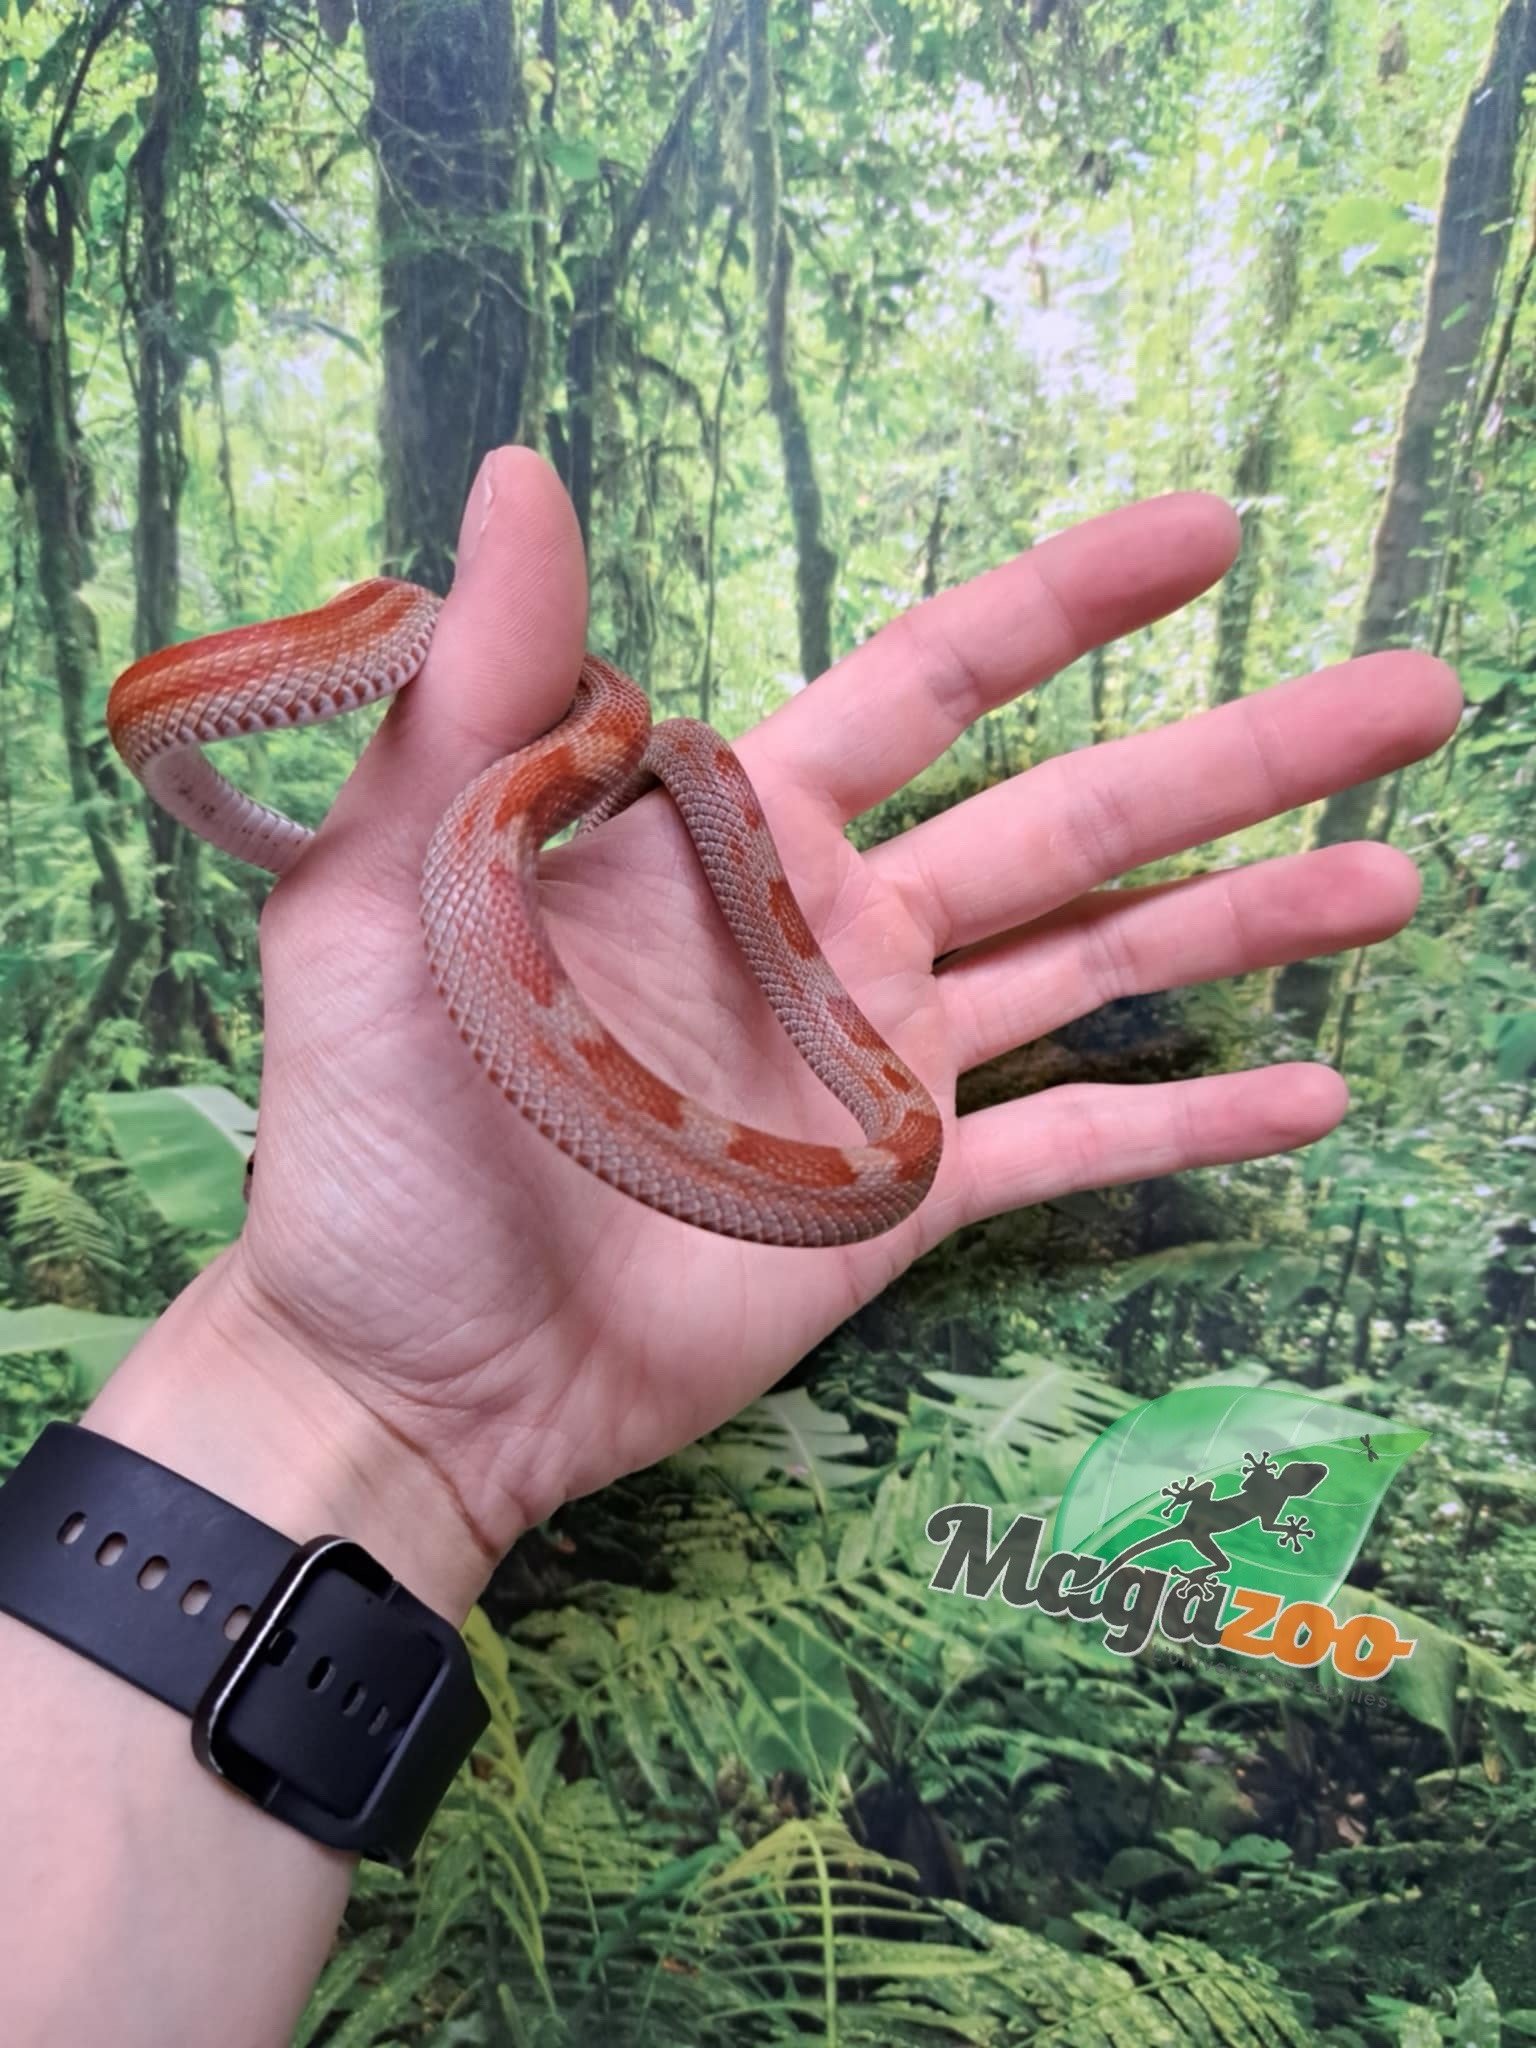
(818, 310)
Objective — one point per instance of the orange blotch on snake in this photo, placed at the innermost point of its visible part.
(610, 722)
(622, 1075)
(464, 826)
(914, 1143)
(573, 794)
(542, 1054)
(531, 971)
(538, 779)
(900, 1081)
(524, 959)
(790, 919)
(799, 1165)
(854, 1025)
(733, 779)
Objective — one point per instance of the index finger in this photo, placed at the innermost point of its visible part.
(891, 708)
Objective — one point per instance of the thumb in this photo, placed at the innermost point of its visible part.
(502, 667)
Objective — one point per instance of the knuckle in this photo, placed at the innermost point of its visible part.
(1099, 834)
(1112, 964)
(1082, 1138)
(1189, 1138)
(951, 678)
(1268, 752)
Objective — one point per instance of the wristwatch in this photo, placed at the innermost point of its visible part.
(316, 1684)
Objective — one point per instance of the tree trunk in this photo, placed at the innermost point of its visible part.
(1476, 213)
(588, 349)
(1262, 455)
(816, 564)
(51, 472)
(533, 427)
(160, 371)
(445, 123)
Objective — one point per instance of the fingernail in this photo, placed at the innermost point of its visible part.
(477, 514)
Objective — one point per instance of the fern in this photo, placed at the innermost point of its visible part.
(788, 1434)
(695, 1675)
(50, 1225)
(1139, 1994)
(1024, 1427)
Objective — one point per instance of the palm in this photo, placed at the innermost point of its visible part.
(468, 1277)
(662, 1329)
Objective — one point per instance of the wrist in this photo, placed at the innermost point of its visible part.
(226, 1398)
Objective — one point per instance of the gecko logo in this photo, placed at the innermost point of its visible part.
(1246, 1551)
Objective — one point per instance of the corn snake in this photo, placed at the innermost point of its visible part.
(487, 948)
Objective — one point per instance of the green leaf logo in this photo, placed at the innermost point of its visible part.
(1240, 1486)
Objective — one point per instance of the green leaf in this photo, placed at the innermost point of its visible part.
(573, 159)
(1197, 1850)
(1429, 1685)
(1253, 1852)
(1418, 2028)
(1132, 1869)
(1482, 680)
(1477, 2013)
(1355, 219)
(187, 1149)
(93, 1344)
(1117, 1497)
(1516, 1046)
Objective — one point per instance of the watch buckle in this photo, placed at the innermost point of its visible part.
(219, 1753)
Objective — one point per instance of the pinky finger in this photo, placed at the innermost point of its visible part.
(1082, 1136)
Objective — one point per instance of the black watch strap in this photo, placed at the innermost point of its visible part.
(317, 1685)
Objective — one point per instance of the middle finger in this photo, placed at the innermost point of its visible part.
(1080, 819)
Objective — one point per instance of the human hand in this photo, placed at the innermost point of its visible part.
(525, 1332)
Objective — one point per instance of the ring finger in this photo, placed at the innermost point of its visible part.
(1120, 942)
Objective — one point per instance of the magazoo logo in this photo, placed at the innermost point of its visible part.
(1220, 1515)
